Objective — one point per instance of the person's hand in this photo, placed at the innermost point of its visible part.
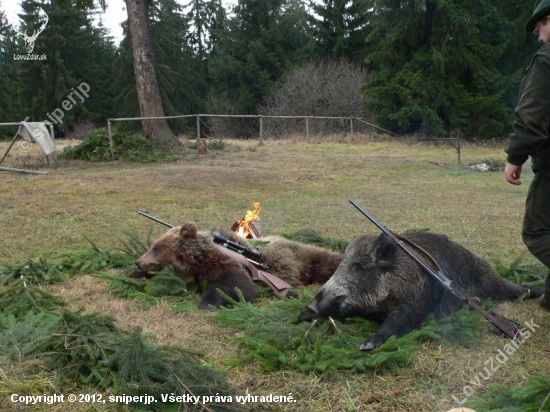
(512, 173)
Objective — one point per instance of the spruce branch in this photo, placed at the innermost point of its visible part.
(184, 386)
(544, 402)
(21, 298)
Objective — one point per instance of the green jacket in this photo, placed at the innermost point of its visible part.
(531, 131)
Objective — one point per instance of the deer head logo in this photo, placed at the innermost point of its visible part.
(29, 40)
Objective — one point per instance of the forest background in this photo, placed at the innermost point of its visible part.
(423, 66)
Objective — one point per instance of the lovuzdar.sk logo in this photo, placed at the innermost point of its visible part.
(30, 40)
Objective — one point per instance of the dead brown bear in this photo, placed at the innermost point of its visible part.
(194, 255)
(378, 280)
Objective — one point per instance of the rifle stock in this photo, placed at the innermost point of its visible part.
(507, 327)
(271, 281)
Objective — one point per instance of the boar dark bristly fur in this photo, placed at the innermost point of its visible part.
(378, 280)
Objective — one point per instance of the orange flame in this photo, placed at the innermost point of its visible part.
(252, 216)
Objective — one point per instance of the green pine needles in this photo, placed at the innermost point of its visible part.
(67, 264)
(95, 259)
(34, 272)
(274, 337)
(20, 299)
(163, 286)
(86, 351)
(527, 273)
(146, 369)
(532, 396)
(128, 146)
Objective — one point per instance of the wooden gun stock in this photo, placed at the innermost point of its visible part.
(507, 327)
(271, 281)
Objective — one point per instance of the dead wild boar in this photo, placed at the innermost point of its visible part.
(378, 280)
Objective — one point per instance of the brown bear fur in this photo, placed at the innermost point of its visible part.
(195, 256)
(297, 263)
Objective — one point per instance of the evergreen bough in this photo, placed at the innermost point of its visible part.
(130, 147)
(20, 299)
(532, 396)
(95, 259)
(67, 264)
(88, 350)
(143, 368)
(34, 272)
(523, 273)
(274, 337)
(163, 286)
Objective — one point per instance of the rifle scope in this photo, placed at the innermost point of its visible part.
(246, 251)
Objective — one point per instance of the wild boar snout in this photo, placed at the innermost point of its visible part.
(312, 309)
(327, 304)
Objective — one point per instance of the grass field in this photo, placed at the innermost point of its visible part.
(300, 185)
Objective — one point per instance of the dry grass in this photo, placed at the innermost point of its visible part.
(300, 184)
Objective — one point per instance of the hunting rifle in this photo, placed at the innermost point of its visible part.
(430, 266)
(241, 253)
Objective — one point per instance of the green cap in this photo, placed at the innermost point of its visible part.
(542, 9)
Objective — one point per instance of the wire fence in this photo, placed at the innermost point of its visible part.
(261, 127)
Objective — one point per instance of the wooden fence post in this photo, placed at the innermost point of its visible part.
(202, 148)
(111, 142)
(261, 130)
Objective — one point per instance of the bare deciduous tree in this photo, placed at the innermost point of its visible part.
(318, 88)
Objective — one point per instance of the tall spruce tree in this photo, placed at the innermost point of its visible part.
(262, 40)
(437, 65)
(77, 54)
(207, 18)
(339, 28)
(180, 71)
(124, 81)
(148, 92)
(9, 110)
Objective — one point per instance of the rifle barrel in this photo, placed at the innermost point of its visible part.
(144, 213)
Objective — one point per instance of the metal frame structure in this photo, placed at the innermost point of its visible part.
(17, 135)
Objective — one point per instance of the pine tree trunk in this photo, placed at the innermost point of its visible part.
(148, 92)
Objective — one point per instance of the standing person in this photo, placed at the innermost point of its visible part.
(530, 137)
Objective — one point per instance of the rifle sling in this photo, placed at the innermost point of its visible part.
(504, 324)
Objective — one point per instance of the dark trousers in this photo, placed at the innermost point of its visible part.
(536, 223)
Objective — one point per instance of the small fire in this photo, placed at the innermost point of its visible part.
(245, 227)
